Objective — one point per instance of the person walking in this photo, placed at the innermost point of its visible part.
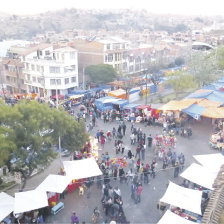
(176, 170)
(124, 128)
(74, 218)
(139, 192)
(149, 141)
(138, 150)
(114, 132)
(181, 159)
(133, 191)
(102, 141)
(143, 151)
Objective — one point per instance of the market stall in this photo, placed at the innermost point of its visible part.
(54, 183)
(216, 140)
(184, 198)
(194, 111)
(119, 104)
(119, 93)
(172, 218)
(105, 103)
(211, 161)
(79, 169)
(6, 205)
(200, 175)
(29, 201)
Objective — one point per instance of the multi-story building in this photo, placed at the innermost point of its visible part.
(47, 69)
(12, 76)
(112, 51)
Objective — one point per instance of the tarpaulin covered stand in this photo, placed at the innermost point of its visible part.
(184, 198)
(6, 205)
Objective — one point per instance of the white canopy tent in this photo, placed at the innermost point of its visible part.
(211, 161)
(6, 205)
(79, 169)
(200, 175)
(29, 201)
(181, 197)
(172, 218)
(54, 183)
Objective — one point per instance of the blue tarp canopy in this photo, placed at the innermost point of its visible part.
(120, 103)
(97, 89)
(216, 96)
(200, 95)
(105, 102)
(130, 106)
(194, 111)
(104, 86)
(78, 92)
(134, 90)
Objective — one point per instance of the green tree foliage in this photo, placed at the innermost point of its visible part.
(220, 57)
(180, 81)
(29, 130)
(204, 67)
(179, 61)
(101, 73)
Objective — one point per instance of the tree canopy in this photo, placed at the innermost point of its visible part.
(28, 131)
(180, 81)
(101, 73)
(203, 66)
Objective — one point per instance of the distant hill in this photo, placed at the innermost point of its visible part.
(25, 27)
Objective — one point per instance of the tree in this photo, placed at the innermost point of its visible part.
(180, 81)
(31, 131)
(179, 61)
(101, 73)
(203, 66)
(220, 57)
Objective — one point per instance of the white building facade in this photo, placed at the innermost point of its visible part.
(48, 70)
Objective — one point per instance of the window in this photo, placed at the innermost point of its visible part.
(108, 46)
(72, 55)
(47, 53)
(66, 81)
(110, 57)
(27, 65)
(53, 81)
(116, 46)
(28, 77)
(125, 55)
(62, 57)
(32, 67)
(105, 59)
(6, 67)
(39, 80)
(54, 69)
(41, 53)
(38, 68)
(34, 79)
(42, 68)
(73, 79)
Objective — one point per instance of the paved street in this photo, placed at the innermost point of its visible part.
(146, 211)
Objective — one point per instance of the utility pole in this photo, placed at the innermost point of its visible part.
(83, 78)
(59, 137)
(146, 97)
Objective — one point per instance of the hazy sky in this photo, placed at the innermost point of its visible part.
(188, 7)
